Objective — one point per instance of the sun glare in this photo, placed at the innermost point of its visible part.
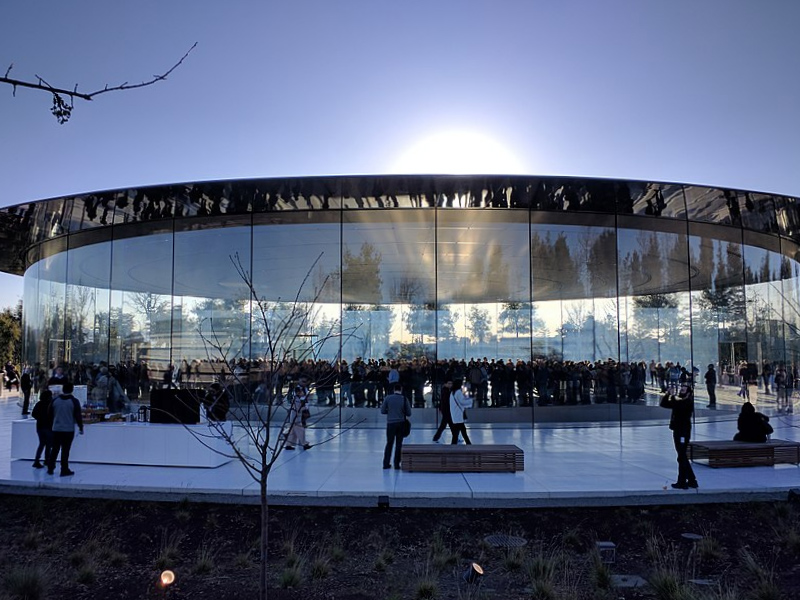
(458, 152)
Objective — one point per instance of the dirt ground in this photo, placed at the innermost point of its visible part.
(87, 548)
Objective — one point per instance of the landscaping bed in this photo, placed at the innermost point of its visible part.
(86, 548)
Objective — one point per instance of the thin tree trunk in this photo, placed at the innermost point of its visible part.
(262, 575)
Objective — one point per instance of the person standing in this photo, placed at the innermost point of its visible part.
(44, 428)
(680, 423)
(57, 378)
(66, 412)
(711, 387)
(26, 384)
(396, 407)
(779, 384)
(298, 415)
(458, 406)
(444, 409)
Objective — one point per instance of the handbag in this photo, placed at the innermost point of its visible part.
(406, 431)
(465, 414)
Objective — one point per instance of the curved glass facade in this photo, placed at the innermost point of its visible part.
(543, 291)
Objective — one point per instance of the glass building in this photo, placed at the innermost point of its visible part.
(540, 292)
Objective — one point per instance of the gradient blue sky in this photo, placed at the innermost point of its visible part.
(685, 90)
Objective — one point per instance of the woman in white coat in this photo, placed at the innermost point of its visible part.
(458, 404)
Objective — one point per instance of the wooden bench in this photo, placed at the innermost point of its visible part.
(745, 454)
(469, 458)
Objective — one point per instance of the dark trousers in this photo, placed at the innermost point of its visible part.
(45, 443)
(62, 441)
(685, 472)
(455, 429)
(394, 439)
(445, 422)
(712, 394)
(26, 402)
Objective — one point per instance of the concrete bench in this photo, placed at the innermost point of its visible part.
(745, 454)
(469, 458)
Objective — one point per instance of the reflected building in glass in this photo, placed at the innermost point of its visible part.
(538, 291)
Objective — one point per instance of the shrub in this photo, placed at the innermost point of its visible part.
(115, 558)
(242, 559)
(337, 553)
(28, 582)
(169, 553)
(600, 572)
(764, 586)
(87, 574)
(513, 559)
(32, 539)
(320, 568)
(543, 590)
(542, 567)
(427, 589)
(667, 586)
(206, 560)
(78, 558)
(709, 548)
(291, 577)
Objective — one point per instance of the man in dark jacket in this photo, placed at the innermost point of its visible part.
(753, 426)
(680, 423)
(711, 386)
(396, 407)
(44, 428)
(444, 408)
(26, 384)
(66, 411)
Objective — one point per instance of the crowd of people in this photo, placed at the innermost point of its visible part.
(395, 386)
(492, 383)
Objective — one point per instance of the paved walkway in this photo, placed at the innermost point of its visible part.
(573, 465)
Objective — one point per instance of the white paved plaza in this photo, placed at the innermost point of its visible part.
(586, 465)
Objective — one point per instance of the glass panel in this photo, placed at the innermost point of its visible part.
(713, 205)
(575, 342)
(211, 302)
(88, 278)
(269, 195)
(296, 276)
(140, 304)
(32, 333)
(791, 312)
(52, 296)
(483, 273)
(388, 285)
(657, 200)
(583, 195)
(765, 337)
(758, 212)
(788, 217)
(719, 332)
(654, 307)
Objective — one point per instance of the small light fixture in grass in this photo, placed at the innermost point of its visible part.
(167, 579)
(473, 574)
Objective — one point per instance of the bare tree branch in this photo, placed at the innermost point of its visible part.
(61, 110)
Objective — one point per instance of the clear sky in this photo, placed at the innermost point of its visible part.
(686, 90)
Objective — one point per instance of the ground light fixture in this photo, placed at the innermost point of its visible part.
(473, 574)
(167, 579)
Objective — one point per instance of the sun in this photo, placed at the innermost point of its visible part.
(458, 152)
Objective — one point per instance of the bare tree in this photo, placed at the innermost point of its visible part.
(257, 426)
(61, 109)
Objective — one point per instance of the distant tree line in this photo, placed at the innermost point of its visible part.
(11, 334)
